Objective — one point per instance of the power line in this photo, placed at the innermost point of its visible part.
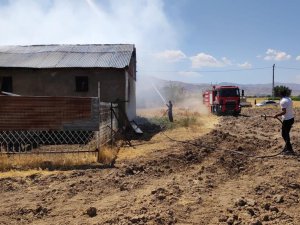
(288, 68)
(203, 71)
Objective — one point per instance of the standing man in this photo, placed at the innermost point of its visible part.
(287, 114)
(170, 111)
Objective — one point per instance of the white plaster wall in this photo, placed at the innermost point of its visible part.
(130, 97)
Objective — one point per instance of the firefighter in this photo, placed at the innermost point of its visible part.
(170, 111)
(287, 114)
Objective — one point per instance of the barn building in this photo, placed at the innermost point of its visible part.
(72, 70)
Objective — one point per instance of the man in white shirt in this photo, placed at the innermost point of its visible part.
(287, 114)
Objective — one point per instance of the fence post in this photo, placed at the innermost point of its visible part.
(111, 124)
(99, 132)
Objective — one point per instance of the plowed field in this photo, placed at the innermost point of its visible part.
(213, 177)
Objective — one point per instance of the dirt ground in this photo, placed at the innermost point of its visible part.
(212, 176)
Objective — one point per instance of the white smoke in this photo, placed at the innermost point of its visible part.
(140, 22)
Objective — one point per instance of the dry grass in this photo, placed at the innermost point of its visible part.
(107, 155)
(26, 162)
(188, 125)
(25, 165)
(152, 112)
(45, 161)
(22, 173)
(296, 104)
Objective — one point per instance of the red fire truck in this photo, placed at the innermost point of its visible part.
(223, 100)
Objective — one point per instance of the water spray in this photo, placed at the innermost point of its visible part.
(162, 98)
(93, 7)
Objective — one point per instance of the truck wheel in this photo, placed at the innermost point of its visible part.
(218, 110)
(236, 113)
(214, 109)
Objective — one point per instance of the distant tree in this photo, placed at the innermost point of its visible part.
(279, 89)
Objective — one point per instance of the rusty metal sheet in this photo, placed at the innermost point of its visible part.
(48, 113)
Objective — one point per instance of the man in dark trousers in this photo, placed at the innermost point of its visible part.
(170, 111)
(287, 114)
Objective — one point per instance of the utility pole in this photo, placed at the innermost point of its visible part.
(273, 82)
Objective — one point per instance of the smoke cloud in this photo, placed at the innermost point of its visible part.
(140, 22)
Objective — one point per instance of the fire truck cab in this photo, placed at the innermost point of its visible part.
(223, 100)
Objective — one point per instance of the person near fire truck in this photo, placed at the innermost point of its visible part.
(170, 111)
(287, 115)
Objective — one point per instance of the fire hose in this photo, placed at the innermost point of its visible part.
(266, 116)
(265, 156)
(237, 152)
(184, 142)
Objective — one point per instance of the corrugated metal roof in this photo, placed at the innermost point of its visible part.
(63, 56)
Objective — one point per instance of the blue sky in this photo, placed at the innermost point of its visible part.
(194, 41)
